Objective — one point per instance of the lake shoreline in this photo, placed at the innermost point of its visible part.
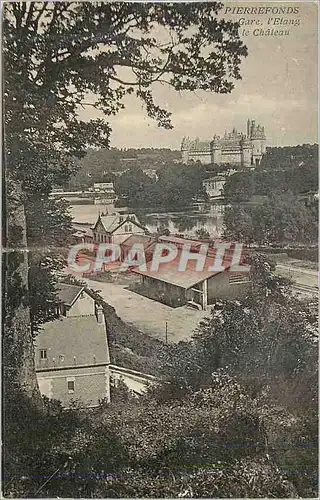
(183, 222)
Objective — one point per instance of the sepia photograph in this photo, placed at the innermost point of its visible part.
(159, 249)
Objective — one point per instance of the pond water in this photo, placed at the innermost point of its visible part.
(186, 223)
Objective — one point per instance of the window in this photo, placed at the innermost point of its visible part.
(71, 385)
(130, 228)
(235, 278)
(61, 358)
(43, 354)
(126, 228)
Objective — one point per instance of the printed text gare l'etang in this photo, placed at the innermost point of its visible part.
(271, 20)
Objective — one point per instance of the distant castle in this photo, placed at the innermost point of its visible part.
(240, 149)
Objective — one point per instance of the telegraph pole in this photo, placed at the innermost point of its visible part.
(166, 332)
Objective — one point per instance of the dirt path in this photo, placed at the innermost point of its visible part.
(299, 275)
(148, 315)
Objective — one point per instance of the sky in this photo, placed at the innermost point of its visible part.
(279, 89)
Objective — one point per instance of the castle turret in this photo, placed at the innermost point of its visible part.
(258, 141)
(248, 127)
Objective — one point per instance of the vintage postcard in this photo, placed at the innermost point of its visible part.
(160, 249)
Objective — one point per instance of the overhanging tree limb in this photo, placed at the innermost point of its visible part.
(54, 56)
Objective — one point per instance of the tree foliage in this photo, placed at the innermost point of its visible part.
(298, 173)
(176, 186)
(98, 165)
(215, 442)
(277, 220)
(290, 157)
(61, 56)
(58, 57)
(267, 342)
(202, 234)
(267, 338)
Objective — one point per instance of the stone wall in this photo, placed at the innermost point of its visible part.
(91, 384)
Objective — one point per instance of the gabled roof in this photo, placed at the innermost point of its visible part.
(169, 272)
(80, 340)
(69, 293)
(109, 222)
(114, 221)
(127, 220)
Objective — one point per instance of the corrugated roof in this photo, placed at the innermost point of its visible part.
(169, 272)
(81, 337)
(68, 293)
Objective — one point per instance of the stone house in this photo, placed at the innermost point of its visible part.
(71, 353)
(214, 185)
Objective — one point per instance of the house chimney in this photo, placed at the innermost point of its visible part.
(99, 314)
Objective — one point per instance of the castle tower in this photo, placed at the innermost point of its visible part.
(215, 150)
(185, 149)
(246, 153)
(258, 141)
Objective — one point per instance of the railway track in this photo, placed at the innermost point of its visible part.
(305, 288)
